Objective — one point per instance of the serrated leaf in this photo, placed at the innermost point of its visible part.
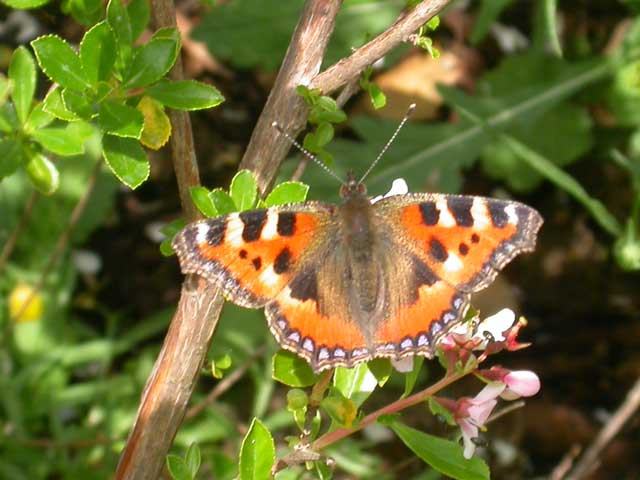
(78, 104)
(60, 62)
(98, 53)
(257, 453)
(126, 159)
(22, 72)
(442, 455)
(54, 104)
(152, 61)
(178, 468)
(43, 174)
(200, 198)
(86, 12)
(118, 20)
(59, 140)
(287, 192)
(10, 156)
(222, 201)
(193, 459)
(120, 120)
(289, 369)
(157, 126)
(185, 94)
(244, 190)
(138, 11)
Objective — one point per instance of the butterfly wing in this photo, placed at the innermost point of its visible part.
(451, 247)
(251, 255)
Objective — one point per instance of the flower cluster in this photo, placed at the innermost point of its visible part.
(496, 333)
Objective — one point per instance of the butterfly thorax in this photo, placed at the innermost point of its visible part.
(360, 240)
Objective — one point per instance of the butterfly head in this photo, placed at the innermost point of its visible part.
(352, 187)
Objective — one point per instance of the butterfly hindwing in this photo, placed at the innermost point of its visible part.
(251, 255)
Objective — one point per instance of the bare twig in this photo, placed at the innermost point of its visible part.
(590, 460)
(565, 465)
(223, 385)
(349, 68)
(171, 383)
(302, 63)
(13, 238)
(64, 238)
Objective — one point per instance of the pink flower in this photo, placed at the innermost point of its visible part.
(471, 414)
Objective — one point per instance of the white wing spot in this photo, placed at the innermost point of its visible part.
(235, 226)
(270, 229)
(480, 214)
(446, 219)
(453, 263)
(269, 277)
(510, 210)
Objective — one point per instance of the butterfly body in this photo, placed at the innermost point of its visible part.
(342, 284)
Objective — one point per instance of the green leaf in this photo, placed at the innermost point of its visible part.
(86, 12)
(378, 98)
(126, 159)
(6, 86)
(54, 104)
(222, 201)
(118, 20)
(10, 156)
(60, 62)
(291, 370)
(201, 199)
(38, 118)
(8, 118)
(78, 104)
(356, 383)
(244, 190)
(185, 94)
(489, 12)
(170, 231)
(287, 192)
(411, 378)
(381, 369)
(153, 60)
(441, 411)
(442, 455)
(178, 468)
(138, 12)
(25, 4)
(59, 140)
(120, 120)
(193, 459)
(22, 72)
(324, 134)
(257, 453)
(43, 174)
(98, 53)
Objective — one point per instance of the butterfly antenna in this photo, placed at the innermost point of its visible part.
(410, 110)
(307, 153)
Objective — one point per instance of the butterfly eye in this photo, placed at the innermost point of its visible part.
(362, 188)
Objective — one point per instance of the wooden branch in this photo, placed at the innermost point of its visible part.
(175, 373)
(267, 149)
(591, 458)
(350, 67)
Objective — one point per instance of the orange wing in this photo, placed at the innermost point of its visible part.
(251, 255)
(457, 245)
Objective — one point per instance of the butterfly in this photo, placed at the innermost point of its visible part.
(343, 284)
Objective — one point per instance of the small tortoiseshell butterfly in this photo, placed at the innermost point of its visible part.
(342, 284)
